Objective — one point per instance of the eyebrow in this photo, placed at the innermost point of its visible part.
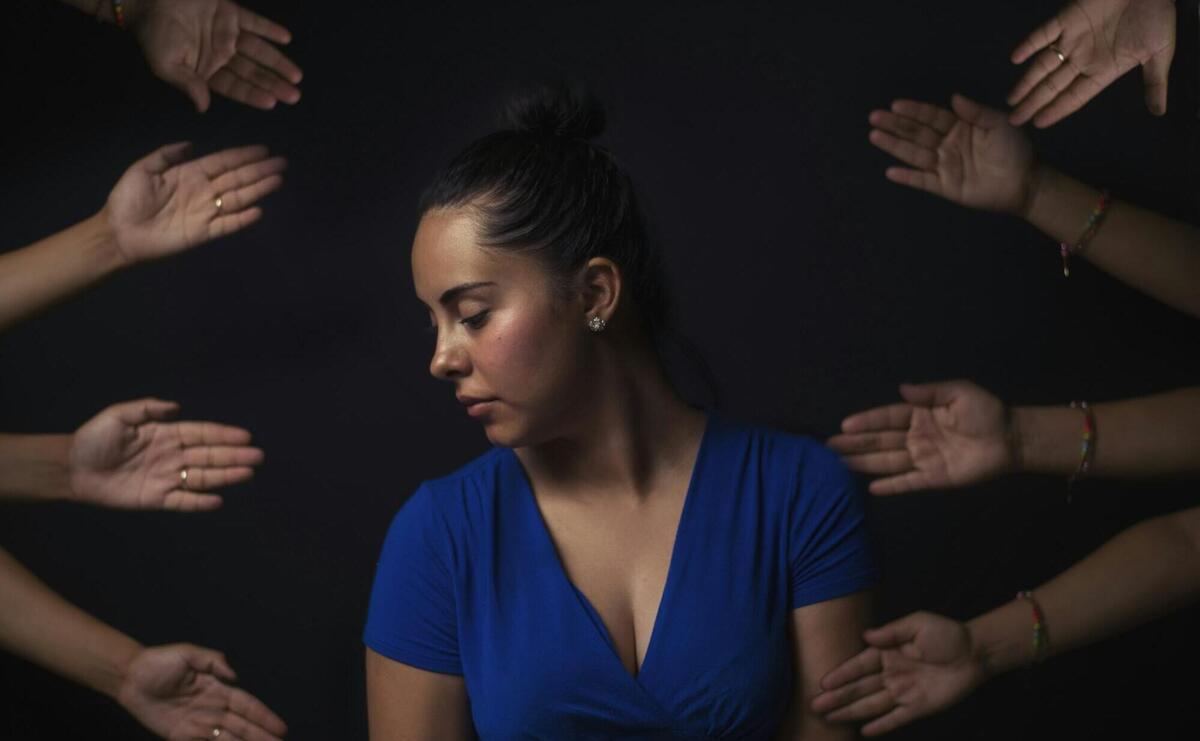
(451, 293)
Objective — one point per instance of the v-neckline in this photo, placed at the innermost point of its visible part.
(584, 602)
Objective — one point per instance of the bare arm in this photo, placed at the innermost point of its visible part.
(36, 277)
(1146, 571)
(823, 635)
(1147, 436)
(1155, 254)
(34, 467)
(409, 704)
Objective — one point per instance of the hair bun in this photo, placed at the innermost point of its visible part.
(562, 109)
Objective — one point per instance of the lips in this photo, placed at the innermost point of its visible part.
(476, 405)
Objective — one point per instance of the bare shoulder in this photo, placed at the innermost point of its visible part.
(404, 702)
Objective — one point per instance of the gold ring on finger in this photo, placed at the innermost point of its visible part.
(183, 478)
(218, 202)
(1062, 58)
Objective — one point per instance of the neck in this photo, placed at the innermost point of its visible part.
(630, 432)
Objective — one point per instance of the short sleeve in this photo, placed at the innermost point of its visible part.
(829, 547)
(412, 616)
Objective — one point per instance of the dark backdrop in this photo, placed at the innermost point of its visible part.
(810, 283)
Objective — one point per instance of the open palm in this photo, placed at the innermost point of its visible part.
(968, 154)
(164, 203)
(130, 456)
(1099, 40)
(181, 692)
(916, 666)
(946, 434)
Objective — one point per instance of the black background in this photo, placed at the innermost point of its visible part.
(811, 284)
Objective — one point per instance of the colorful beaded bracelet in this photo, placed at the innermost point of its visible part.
(118, 8)
(1087, 444)
(1041, 642)
(1093, 225)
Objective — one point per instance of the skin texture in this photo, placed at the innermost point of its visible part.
(605, 442)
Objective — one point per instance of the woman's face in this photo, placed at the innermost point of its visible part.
(515, 349)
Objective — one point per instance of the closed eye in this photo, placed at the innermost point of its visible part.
(475, 321)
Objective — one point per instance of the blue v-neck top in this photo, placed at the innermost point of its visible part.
(469, 583)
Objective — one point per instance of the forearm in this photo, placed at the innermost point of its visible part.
(1147, 436)
(1155, 254)
(34, 467)
(37, 624)
(37, 276)
(102, 10)
(1147, 570)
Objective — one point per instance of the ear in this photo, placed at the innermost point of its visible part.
(601, 288)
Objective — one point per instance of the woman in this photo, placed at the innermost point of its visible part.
(620, 565)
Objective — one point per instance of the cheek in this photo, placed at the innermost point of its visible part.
(525, 356)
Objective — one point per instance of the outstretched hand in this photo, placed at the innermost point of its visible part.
(164, 203)
(1083, 49)
(945, 434)
(916, 666)
(131, 456)
(203, 45)
(182, 692)
(969, 154)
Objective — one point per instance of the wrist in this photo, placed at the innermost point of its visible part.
(997, 640)
(115, 674)
(1032, 192)
(106, 242)
(1018, 437)
(35, 467)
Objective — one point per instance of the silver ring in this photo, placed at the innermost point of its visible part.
(218, 202)
(1062, 58)
(183, 483)
(216, 731)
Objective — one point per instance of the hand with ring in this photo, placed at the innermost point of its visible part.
(133, 456)
(165, 203)
(915, 666)
(181, 691)
(1088, 45)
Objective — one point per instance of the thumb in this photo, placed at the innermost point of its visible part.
(192, 84)
(974, 113)
(1154, 75)
(896, 632)
(938, 393)
(209, 661)
(144, 410)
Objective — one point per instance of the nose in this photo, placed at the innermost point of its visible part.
(449, 360)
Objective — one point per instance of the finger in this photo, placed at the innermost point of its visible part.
(869, 442)
(976, 114)
(161, 159)
(827, 702)
(264, 27)
(219, 163)
(201, 480)
(919, 179)
(902, 484)
(249, 174)
(1046, 91)
(905, 128)
(226, 225)
(907, 152)
(890, 417)
(211, 433)
(1044, 65)
(145, 410)
(236, 200)
(229, 84)
(221, 456)
(881, 464)
(1077, 94)
(209, 661)
(271, 60)
(254, 710)
(866, 662)
(1041, 37)
(900, 716)
(1154, 74)
(935, 117)
(870, 706)
(264, 79)
(179, 500)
